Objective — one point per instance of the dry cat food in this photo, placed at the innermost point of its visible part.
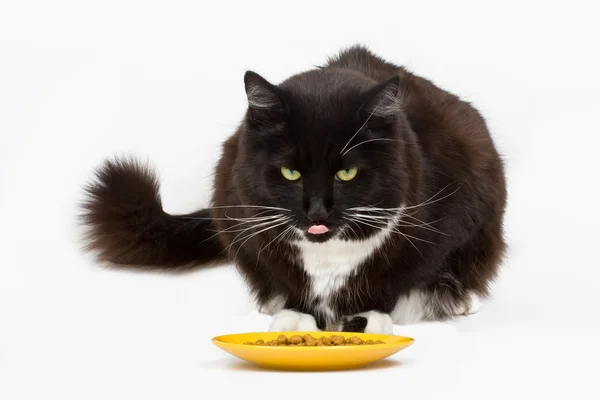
(308, 340)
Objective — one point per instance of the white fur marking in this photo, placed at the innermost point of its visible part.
(377, 322)
(470, 306)
(329, 264)
(411, 309)
(288, 320)
(475, 304)
(460, 309)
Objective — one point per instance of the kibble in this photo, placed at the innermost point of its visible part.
(356, 340)
(308, 340)
(338, 340)
(296, 339)
(281, 339)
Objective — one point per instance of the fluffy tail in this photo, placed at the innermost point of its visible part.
(126, 224)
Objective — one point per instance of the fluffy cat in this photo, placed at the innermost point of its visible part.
(352, 197)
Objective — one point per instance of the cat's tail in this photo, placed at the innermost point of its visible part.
(126, 225)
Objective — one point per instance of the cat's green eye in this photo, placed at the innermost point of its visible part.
(290, 174)
(347, 174)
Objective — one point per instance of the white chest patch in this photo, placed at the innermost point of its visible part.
(330, 264)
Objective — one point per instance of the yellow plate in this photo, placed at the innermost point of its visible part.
(311, 358)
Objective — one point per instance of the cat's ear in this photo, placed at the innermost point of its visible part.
(382, 100)
(263, 98)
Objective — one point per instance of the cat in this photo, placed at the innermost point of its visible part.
(352, 197)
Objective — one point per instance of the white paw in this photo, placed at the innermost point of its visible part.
(475, 304)
(290, 321)
(376, 322)
(469, 307)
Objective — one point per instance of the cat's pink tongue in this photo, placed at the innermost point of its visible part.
(318, 229)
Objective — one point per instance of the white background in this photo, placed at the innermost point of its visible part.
(82, 80)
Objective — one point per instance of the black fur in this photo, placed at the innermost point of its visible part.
(127, 225)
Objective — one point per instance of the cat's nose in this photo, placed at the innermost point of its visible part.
(317, 212)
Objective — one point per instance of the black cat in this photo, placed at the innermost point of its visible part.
(352, 197)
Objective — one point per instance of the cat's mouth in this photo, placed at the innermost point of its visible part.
(318, 229)
(318, 233)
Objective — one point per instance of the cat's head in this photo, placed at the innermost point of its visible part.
(324, 144)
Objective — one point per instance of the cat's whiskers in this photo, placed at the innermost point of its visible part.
(353, 231)
(249, 224)
(238, 219)
(375, 209)
(425, 203)
(251, 206)
(235, 239)
(250, 236)
(290, 235)
(385, 225)
(232, 228)
(404, 208)
(258, 215)
(276, 237)
(285, 234)
(401, 222)
(254, 218)
(383, 215)
(386, 218)
(258, 224)
(361, 127)
(370, 140)
(388, 215)
(425, 225)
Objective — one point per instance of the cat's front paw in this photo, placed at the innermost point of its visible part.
(289, 320)
(368, 322)
(469, 306)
